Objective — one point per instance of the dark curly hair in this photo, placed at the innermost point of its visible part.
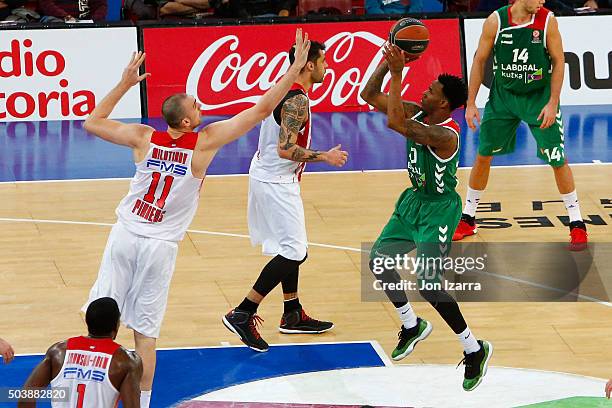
(454, 89)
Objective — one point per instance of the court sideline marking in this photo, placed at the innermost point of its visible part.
(595, 163)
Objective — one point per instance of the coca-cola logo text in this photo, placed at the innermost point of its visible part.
(223, 66)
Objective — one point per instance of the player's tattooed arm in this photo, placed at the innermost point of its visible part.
(293, 116)
(373, 94)
(435, 136)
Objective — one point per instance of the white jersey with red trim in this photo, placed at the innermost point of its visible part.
(164, 194)
(85, 374)
(267, 165)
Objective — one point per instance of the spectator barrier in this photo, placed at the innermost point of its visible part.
(60, 73)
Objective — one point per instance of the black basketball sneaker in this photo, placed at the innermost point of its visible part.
(297, 321)
(244, 324)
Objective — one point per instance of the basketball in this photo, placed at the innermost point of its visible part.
(410, 35)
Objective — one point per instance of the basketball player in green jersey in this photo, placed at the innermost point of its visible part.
(426, 213)
(528, 74)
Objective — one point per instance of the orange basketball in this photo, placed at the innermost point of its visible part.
(410, 35)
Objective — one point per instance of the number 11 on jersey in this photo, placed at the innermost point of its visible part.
(150, 196)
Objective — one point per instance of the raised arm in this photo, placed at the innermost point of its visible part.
(485, 46)
(223, 132)
(554, 45)
(130, 386)
(132, 135)
(434, 136)
(294, 115)
(373, 94)
(42, 374)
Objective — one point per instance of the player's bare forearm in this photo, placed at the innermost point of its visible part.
(555, 49)
(300, 154)
(556, 81)
(485, 47)
(372, 92)
(108, 103)
(129, 78)
(395, 110)
(476, 76)
(270, 99)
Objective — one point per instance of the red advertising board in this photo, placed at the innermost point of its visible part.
(227, 68)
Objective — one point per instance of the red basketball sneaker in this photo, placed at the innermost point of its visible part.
(578, 236)
(466, 227)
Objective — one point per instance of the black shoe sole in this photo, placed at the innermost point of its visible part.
(229, 326)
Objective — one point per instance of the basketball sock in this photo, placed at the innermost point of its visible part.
(571, 204)
(469, 342)
(248, 306)
(471, 201)
(291, 305)
(407, 316)
(145, 399)
(273, 273)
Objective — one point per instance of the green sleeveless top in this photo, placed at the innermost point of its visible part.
(521, 62)
(429, 174)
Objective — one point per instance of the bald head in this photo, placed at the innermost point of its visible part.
(173, 109)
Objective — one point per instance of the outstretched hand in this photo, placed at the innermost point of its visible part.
(396, 60)
(130, 75)
(336, 157)
(302, 46)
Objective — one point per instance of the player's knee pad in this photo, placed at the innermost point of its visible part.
(274, 272)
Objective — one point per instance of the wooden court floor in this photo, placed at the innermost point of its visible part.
(47, 268)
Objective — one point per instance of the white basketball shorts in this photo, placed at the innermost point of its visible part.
(276, 219)
(136, 272)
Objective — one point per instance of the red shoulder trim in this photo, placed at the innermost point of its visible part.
(539, 23)
(298, 86)
(163, 139)
(106, 346)
(452, 125)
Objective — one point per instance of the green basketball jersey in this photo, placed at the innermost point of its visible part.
(521, 62)
(428, 173)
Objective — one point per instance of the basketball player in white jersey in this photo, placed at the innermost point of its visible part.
(95, 370)
(275, 210)
(140, 254)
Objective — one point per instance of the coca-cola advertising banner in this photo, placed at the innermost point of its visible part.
(228, 68)
(62, 74)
